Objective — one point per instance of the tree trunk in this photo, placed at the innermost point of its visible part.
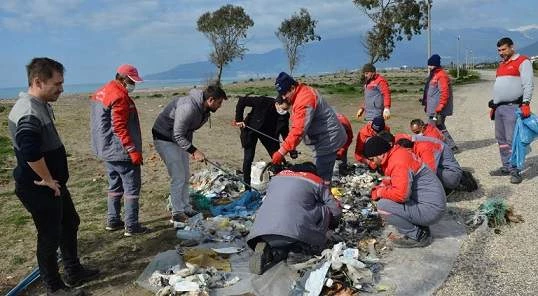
(219, 75)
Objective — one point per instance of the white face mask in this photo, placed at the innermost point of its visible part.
(130, 88)
(281, 112)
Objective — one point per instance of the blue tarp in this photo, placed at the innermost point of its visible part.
(244, 206)
(525, 132)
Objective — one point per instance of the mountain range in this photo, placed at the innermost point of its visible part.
(347, 53)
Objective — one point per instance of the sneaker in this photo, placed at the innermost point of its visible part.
(179, 217)
(135, 230)
(113, 226)
(455, 150)
(502, 171)
(515, 177)
(191, 213)
(66, 292)
(424, 239)
(80, 275)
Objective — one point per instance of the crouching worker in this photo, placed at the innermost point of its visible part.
(295, 216)
(410, 197)
(440, 159)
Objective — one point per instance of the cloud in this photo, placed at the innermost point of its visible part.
(525, 28)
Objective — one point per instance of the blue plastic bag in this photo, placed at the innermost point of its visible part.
(525, 132)
(244, 206)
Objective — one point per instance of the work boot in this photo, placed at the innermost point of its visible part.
(179, 217)
(116, 225)
(67, 292)
(469, 182)
(79, 275)
(515, 177)
(502, 171)
(261, 257)
(135, 230)
(191, 213)
(424, 239)
(455, 150)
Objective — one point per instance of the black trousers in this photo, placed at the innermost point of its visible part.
(56, 221)
(249, 139)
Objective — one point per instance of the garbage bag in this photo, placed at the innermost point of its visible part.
(244, 206)
(525, 131)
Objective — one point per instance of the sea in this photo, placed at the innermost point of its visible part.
(9, 93)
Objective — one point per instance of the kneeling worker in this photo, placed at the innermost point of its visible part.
(295, 215)
(411, 197)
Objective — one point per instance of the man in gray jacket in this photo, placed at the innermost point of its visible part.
(173, 132)
(295, 215)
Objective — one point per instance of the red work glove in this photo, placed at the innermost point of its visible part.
(374, 195)
(136, 157)
(372, 165)
(525, 110)
(492, 113)
(439, 108)
(277, 158)
(340, 153)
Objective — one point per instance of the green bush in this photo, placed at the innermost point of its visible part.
(454, 72)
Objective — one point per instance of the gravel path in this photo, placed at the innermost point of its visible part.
(491, 263)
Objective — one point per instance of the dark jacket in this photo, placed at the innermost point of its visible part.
(262, 116)
(180, 118)
(34, 137)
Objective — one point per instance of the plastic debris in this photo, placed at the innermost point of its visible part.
(495, 212)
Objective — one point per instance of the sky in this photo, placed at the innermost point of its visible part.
(92, 37)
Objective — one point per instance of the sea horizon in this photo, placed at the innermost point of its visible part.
(11, 93)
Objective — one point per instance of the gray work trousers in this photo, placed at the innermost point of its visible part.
(325, 165)
(177, 164)
(505, 122)
(408, 216)
(124, 180)
(450, 178)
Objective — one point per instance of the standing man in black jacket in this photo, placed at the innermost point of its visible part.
(41, 178)
(263, 117)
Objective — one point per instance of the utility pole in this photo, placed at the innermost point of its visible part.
(429, 29)
(458, 58)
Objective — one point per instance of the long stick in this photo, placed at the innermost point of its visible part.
(263, 134)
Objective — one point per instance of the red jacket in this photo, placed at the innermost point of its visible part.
(115, 127)
(364, 134)
(429, 152)
(316, 121)
(400, 167)
(431, 130)
(349, 131)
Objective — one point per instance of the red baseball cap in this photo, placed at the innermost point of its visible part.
(129, 71)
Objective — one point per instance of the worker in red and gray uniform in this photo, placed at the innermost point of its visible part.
(418, 127)
(436, 155)
(437, 98)
(295, 215)
(117, 140)
(512, 90)
(410, 197)
(369, 130)
(173, 132)
(341, 154)
(312, 119)
(376, 95)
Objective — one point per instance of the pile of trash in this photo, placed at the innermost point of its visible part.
(338, 271)
(231, 210)
(190, 280)
(360, 221)
(494, 212)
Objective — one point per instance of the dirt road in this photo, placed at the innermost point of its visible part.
(490, 263)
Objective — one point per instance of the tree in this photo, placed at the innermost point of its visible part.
(294, 33)
(225, 28)
(393, 20)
